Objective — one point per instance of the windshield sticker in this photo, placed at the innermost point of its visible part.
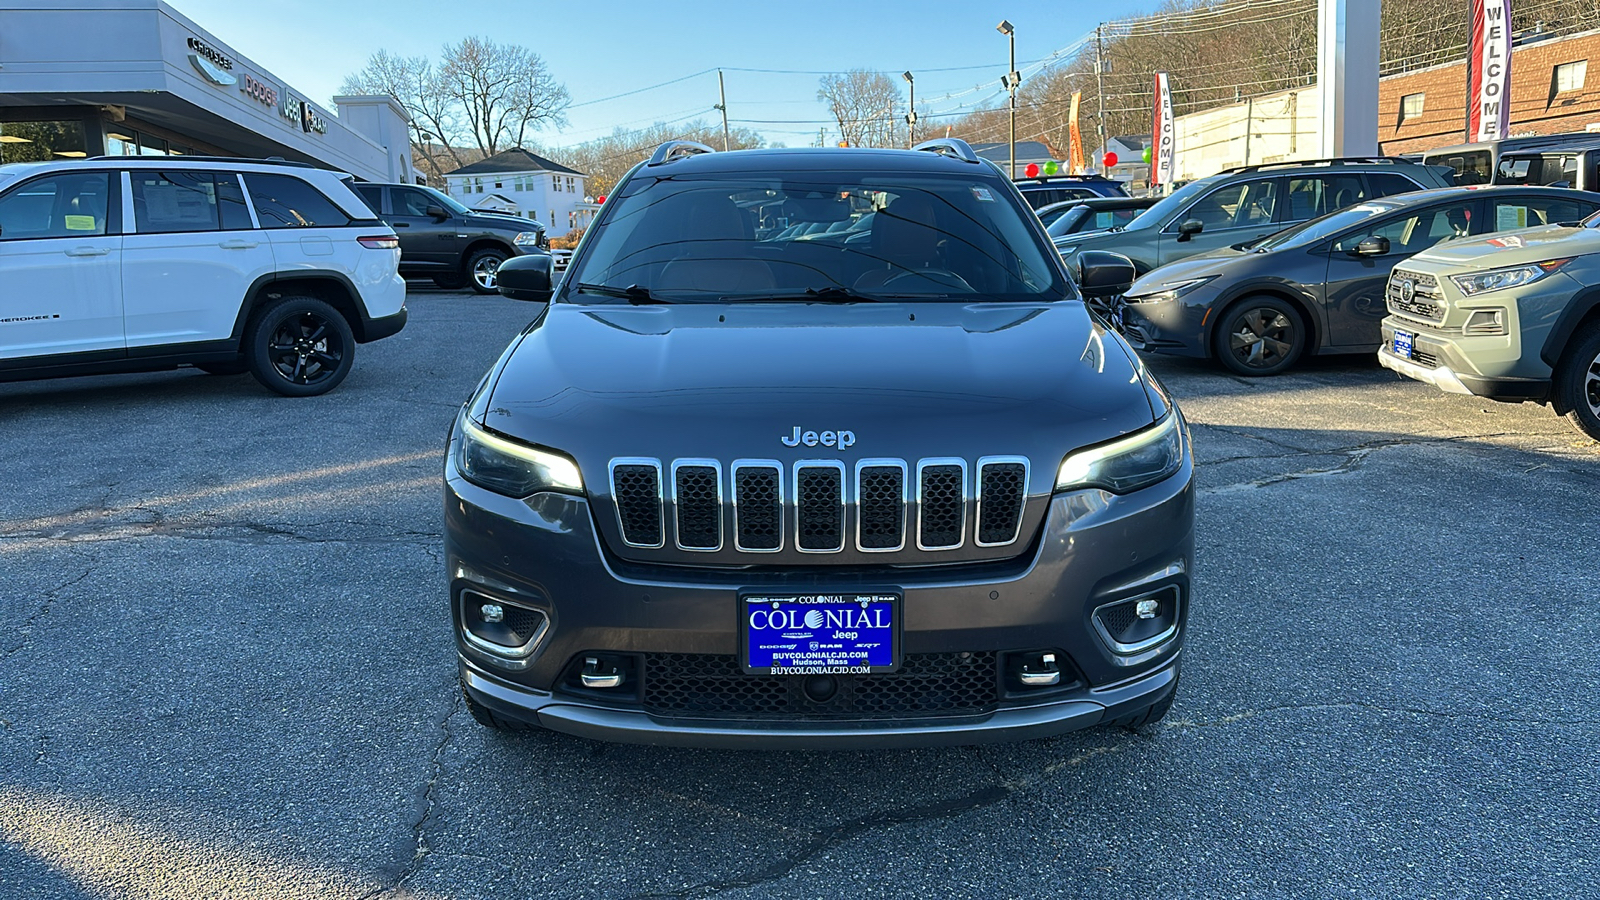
(79, 223)
(1509, 217)
(982, 193)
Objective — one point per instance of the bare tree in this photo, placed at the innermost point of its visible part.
(415, 84)
(504, 91)
(605, 160)
(866, 105)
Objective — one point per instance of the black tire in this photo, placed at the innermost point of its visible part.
(227, 368)
(1148, 716)
(486, 717)
(1259, 335)
(1578, 382)
(299, 347)
(448, 282)
(481, 267)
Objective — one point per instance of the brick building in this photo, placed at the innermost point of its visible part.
(1550, 94)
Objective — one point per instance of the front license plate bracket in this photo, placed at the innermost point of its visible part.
(822, 633)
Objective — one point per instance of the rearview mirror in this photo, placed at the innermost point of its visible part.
(438, 212)
(1377, 245)
(1104, 274)
(1189, 228)
(528, 277)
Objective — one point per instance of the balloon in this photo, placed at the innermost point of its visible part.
(600, 199)
(1051, 167)
(1032, 171)
(1145, 156)
(1110, 159)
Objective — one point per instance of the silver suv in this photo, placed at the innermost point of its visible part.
(132, 264)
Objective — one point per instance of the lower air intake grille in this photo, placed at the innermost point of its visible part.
(699, 685)
(1001, 489)
(637, 490)
(698, 493)
(819, 507)
(758, 510)
(882, 507)
(943, 507)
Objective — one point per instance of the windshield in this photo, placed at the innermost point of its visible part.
(845, 236)
(449, 204)
(1319, 228)
(1171, 203)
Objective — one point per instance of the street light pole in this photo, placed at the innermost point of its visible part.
(911, 117)
(723, 96)
(1100, 90)
(1010, 81)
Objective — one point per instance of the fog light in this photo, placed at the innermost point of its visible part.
(502, 629)
(1148, 609)
(493, 612)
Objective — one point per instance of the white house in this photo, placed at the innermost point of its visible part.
(522, 183)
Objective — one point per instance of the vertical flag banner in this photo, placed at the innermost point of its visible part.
(1164, 135)
(1489, 71)
(1075, 163)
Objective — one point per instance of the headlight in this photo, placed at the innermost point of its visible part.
(527, 239)
(1500, 279)
(1129, 463)
(1170, 290)
(512, 468)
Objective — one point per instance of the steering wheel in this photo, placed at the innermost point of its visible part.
(937, 276)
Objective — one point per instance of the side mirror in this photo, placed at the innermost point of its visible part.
(530, 277)
(438, 212)
(1104, 274)
(1377, 245)
(1189, 228)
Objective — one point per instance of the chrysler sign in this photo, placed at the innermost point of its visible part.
(211, 63)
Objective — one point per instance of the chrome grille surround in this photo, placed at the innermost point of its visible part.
(927, 495)
(631, 463)
(997, 465)
(809, 510)
(742, 507)
(871, 470)
(693, 506)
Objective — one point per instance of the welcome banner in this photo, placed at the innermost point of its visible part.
(1489, 71)
(1164, 148)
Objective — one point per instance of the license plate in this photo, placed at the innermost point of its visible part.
(1402, 344)
(819, 634)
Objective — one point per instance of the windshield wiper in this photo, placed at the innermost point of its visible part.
(832, 294)
(633, 293)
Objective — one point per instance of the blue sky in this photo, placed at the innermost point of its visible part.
(600, 50)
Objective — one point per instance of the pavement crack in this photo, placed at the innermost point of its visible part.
(829, 838)
(47, 602)
(1353, 455)
(426, 801)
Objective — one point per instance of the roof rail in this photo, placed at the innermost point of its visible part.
(268, 161)
(955, 148)
(1337, 161)
(672, 150)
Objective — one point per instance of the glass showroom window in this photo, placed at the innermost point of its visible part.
(1569, 76)
(41, 141)
(1411, 107)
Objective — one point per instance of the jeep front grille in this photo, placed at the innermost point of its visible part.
(697, 496)
(884, 506)
(636, 486)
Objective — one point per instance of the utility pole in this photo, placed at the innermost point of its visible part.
(911, 117)
(722, 95)
(1100, 87)
(1010, 81)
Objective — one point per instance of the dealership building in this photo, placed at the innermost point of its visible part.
(83, 78)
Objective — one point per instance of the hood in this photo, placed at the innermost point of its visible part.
(1217, 262)
(731, 381)
(1512, 248)
(498, 220)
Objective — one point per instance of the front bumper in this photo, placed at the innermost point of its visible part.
(638, 727)
(1093, 549)
(1460, 364)
(1171, 326)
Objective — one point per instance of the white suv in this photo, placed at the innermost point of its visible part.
(136, 264)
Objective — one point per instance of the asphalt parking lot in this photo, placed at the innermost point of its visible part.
(226, 670)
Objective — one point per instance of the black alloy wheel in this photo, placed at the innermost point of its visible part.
(300, 347)
(1578, 381)
(1259, 336)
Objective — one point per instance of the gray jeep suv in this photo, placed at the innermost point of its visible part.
(822, 491)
